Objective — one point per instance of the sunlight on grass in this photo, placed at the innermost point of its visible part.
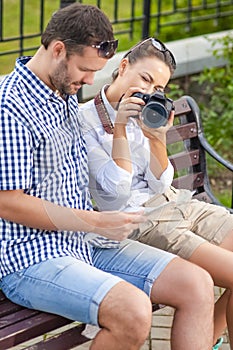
(127, 22)
(32, 26)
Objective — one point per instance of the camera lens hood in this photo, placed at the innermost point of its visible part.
(154, 115)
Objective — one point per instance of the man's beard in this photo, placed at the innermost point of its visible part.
(61, 80)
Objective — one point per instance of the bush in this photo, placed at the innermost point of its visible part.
(217, 105)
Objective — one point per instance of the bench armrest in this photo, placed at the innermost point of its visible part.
(210, 150)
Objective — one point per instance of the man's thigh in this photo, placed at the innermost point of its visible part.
(74, 289)
(64, 286)
(134, 262)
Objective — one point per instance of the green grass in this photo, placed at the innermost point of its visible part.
(223, 197)
(11, 25)
(170, 32)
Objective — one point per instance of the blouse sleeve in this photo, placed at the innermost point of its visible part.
(109, 184)
(161, 184)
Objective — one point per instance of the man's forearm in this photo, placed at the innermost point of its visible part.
(16, 206)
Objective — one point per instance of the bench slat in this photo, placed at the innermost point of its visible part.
(182, 106)
(181, 132)
(16, 317)
(68, 339)
(184, 160)
(7, 308)
(189, 182)
(203, 196)
(30, 328)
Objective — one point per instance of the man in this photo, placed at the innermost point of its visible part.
(58, 255)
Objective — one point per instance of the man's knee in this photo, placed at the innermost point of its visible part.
(126, 311)
(199, 288)
(183, 283)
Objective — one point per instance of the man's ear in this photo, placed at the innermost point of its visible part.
(124, 63)
(59, 49)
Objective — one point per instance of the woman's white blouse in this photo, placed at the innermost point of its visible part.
(112, 187)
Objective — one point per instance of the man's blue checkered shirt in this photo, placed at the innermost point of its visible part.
(42, 152)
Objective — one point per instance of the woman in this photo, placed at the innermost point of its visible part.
(129, 168)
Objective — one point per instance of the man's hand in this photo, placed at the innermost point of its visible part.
(118, 225)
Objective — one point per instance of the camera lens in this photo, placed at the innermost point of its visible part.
(154, 115)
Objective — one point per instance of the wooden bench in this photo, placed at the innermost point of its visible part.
(18, 324)
(187, 147)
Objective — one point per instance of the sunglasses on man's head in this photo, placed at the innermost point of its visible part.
(106, 49)
(157, 44)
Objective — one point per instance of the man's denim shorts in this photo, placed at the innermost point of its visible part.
(74, 289)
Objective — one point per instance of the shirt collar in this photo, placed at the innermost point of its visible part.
(36, 85)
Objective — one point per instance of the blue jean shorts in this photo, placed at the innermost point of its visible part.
(72, 288)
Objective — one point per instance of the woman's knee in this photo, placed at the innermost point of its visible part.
(227, 242)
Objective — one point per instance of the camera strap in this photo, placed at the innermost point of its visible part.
(103, 113)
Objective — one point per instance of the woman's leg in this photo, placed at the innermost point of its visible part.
(193, 300)
(218, 261)
(184, 229)
(180, 284)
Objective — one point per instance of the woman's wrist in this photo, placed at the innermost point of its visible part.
(158, 142)
(119, 130)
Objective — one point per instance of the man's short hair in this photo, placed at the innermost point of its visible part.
(78, 25)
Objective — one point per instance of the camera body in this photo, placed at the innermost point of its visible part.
(157, 108)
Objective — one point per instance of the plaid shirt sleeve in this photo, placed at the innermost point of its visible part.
(15, 153)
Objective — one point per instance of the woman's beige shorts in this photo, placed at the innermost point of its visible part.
(179, 224)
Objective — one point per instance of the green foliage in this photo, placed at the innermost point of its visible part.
(223, 197)
(217, 98)
(174, 90)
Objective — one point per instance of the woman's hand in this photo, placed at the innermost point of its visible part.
(129, 106)
(157, 133)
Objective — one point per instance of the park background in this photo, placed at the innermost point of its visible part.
(177, 23)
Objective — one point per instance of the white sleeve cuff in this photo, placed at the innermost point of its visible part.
(160, 185)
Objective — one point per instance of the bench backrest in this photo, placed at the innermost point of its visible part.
(187, 148)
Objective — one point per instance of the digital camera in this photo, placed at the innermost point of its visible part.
(157, 109)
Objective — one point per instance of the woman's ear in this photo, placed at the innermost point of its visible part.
(123, 66)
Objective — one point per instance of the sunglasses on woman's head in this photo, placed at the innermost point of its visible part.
(157, 44)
